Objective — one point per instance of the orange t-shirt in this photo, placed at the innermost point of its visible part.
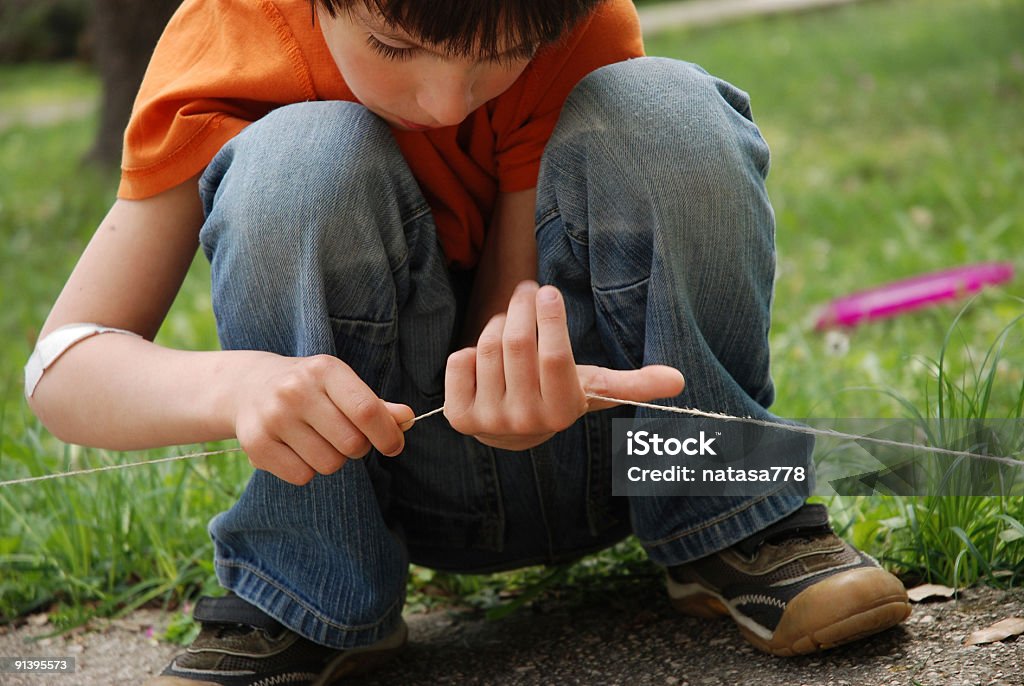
(222, 64)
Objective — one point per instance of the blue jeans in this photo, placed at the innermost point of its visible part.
(653, 220)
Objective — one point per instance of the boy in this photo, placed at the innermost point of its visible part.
(379, 187)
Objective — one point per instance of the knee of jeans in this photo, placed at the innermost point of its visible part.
(287, 179)
(671, 116)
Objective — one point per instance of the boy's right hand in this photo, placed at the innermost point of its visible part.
(296, 417)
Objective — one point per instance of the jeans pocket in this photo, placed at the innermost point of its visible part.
(367, 347)
(621, 320)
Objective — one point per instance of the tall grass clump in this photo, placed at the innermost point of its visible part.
(969, 526)
(109, 542)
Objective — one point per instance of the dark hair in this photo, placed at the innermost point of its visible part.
(484, 27)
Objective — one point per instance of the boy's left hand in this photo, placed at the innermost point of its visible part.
(520, 385)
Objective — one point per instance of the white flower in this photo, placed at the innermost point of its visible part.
(837, 343)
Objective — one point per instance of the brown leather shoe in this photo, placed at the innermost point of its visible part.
(241, 646)
(793, 588)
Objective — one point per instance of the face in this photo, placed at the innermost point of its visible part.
(412, 85)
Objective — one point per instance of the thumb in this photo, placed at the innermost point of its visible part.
(639, 385)
(402, 414)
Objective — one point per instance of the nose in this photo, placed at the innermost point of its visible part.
(447, 98)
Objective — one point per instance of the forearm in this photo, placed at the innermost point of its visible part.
(495, 281)
(509, 256)
(125, 393)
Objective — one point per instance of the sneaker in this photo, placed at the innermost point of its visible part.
(793, 588)
(239, 645)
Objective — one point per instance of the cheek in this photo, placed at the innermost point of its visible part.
(371, 83)
(495, 81)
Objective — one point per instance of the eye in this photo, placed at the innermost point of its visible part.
(523, 53)
(386, 51)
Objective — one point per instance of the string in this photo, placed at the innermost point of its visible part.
(112, 467)
(810, 430)
(796, 428)
(173, 458)
(425, 415)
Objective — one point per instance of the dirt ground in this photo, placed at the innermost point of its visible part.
(629, 636)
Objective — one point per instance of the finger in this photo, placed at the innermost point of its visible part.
(519, 344)
(282, 462)
(516, 443)
(490, 370)
(313, 449)
(331, 424)
(559, 382)
(366, 411)
(639, 385)
(459, 385)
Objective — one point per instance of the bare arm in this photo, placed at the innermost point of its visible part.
(116, 391)
(294, 416)
(509, 256)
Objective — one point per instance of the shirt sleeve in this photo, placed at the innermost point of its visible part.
(525, 116)
(220, 65)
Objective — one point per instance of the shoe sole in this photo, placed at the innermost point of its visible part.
(842, 608)
(353, 662)
(364, 660)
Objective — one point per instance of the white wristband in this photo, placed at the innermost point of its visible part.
(55, 344)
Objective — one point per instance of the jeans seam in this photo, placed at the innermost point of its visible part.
(312, 612)
(418, 213)
(546, 218)
(356, 320)
(423, 211)
(618, 289)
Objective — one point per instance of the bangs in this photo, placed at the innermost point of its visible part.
(485, 28)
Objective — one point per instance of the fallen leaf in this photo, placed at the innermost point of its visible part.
(919, 593)
(1004, 628)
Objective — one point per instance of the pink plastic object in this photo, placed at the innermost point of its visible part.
(912, 294)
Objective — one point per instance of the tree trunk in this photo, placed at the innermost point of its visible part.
(125, 33)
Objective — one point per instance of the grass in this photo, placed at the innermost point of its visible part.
(44, 84)
(896, 150)
(949, 535)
